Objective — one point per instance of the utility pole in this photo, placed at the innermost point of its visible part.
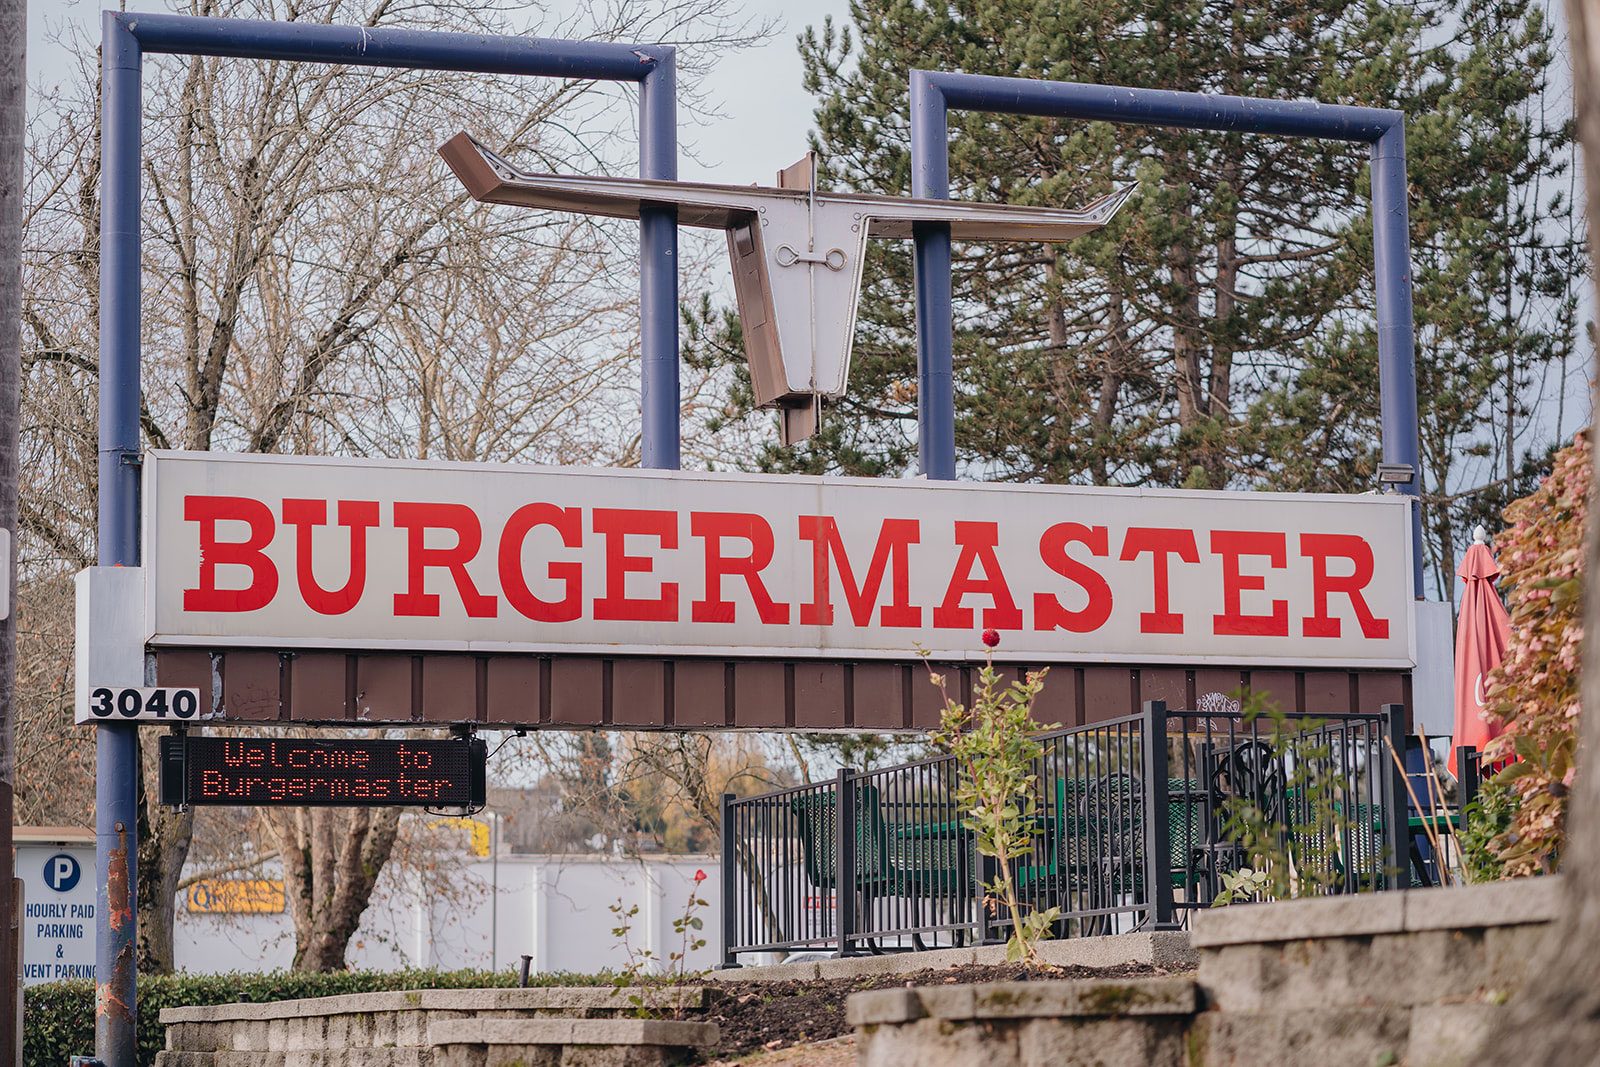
(13, 119)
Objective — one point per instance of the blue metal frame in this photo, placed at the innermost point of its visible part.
(933, 94)
(126, 37)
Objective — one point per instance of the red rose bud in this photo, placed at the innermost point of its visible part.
(699, 876)
(991, 637)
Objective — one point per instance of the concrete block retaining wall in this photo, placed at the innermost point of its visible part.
(582, 1027)
(1026, 1024)
(1409, 978)
(1405, 978)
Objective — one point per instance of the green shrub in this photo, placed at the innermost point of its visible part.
(58, 1021)
(1533, 695)
(1484, 820)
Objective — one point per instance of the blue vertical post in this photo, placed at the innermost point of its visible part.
(930, 177)
(116, 745)
(658, 268)
(1397, 368)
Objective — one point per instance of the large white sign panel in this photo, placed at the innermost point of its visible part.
(280, 551)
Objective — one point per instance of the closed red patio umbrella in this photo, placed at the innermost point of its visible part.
(1482, 632)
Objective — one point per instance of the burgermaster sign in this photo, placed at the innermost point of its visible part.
(278, 551)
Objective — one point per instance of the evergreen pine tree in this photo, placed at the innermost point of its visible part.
(1218, 334)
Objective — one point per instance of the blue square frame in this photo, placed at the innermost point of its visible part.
(934, 93)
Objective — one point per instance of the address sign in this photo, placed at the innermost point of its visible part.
(119, 703)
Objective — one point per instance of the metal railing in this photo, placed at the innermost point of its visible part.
(1306, 799)
(1137, 821)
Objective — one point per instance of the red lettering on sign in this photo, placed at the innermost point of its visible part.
(714, 526)
(568, 523)
(1321, 548)
(307, 515)
(1160, 543)
(1230, 545)
(1048, 614)
(615, 524)
(210, 510)
(978, 541)
(889, 553)
(418, 519)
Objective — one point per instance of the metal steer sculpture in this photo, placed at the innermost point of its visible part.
(796, 252)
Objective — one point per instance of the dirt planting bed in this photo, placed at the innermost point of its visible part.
(765, 1016)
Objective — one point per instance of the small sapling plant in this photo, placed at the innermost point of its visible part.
(1304, 832)
(997, 787)
(1244, 884)
(677, 977)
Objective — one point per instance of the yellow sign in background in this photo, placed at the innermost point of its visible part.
(478, 842)
(236, 895)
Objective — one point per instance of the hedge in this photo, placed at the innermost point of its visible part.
(58, 1020)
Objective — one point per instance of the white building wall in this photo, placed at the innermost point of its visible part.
(481, 914)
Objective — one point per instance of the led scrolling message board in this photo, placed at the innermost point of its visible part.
(302, 772)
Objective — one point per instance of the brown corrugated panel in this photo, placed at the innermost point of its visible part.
(638, 692)
(926, 703)
(250, 685)
(1057, 702)
(383, 688)
(1327, 692)
(1279, 685)
(1210, 680)
(1167, 684)
(449, 688)
(758, 693)
(1107, 693)
(187, 669)
(699, 692)
(1374, 689)
(316, 687)
(879, 696)
(818, 695)
(513, 690)
(576, 690)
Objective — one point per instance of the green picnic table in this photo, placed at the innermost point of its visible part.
(1081, 835)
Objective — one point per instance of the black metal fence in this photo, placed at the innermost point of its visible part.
(1137, 821)
(1469, 773)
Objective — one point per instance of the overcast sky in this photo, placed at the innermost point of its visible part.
(767, 114)
(765, 130)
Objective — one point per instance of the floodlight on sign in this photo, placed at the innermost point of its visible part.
(1390, 474)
